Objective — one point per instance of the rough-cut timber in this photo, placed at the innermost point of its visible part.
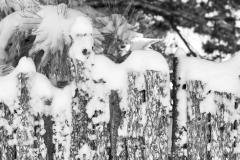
(197, 123)
(25, 130)
(80, 118)
(176, 149)
(222, 143)
(7, 152)
(134, 115)
(83, 126)
(210, 136)
(115, 120)
(155, 129)
(147, 120)
(48, 136)
(40, 149)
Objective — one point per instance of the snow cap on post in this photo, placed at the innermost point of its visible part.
(180, 52)
(82, 36)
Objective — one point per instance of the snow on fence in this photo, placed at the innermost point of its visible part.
(114, 111)
(121, 113)
(205, 109)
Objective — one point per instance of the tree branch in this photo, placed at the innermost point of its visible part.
(183, 39)
(146, 6)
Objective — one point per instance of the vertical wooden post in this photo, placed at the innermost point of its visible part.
(155, 130)
(197, 122)
(222, 144)
(147, 119)
(134, 115)
(80, 118)
(115, 120)
(40, 150)
(83, 126)
(176, 150)
(48, 136)
(25, 130)
(6, 151)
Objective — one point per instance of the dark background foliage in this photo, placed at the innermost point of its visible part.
(215, 18)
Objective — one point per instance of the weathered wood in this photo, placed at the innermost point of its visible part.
(236, 127)
(40, 150)
(48, 136)
(7, 152)
(147, 120)
(115, 120)
(25, 130)
(80, 118)
(135, 113)
(155, 130)
(222, 144)
(79, 123)
(177, 152)
(83, 126)
(210, 135)
(197, 122)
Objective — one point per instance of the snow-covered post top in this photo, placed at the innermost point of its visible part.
(82, 36)
(207, 105)
(150, 74)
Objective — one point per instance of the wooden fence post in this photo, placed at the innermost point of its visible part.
(210, 135)
(222, 143)
(48, 137)
(115, 120)
(197, 122)
(6, 151)
(83, 126)
(176, 149)
(25, 128)
(147, 119)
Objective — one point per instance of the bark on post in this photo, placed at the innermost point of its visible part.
(147, 119)
(197, 122)
(48, 136)
(134, 115)
(236, 127)
(7, 152)
(83, 126)
(222, 143)
(210, 135)
(176, 149)
(25, 130)
(155, 130)
(115, 120)
(80, 118)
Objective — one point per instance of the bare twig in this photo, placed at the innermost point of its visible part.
(183, 39)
